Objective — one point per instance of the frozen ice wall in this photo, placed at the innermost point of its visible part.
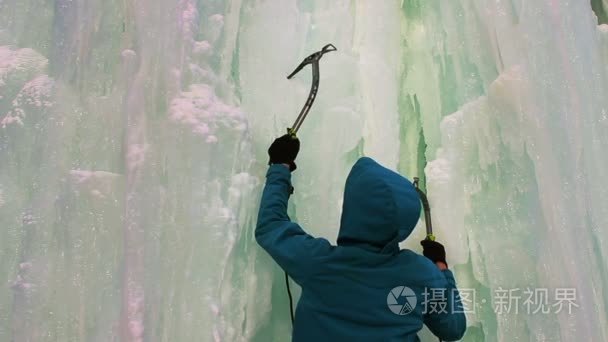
(133, 140)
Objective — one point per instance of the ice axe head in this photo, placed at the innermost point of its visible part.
(312, 58)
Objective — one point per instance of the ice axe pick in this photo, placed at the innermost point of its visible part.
(314, 60)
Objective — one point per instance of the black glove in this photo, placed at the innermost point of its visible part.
(284, 150)
(433, 250)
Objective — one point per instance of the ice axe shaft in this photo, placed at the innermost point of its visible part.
(314, 60)
(427, 210)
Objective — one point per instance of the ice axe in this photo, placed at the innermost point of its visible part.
(427, 211)
(314, 60)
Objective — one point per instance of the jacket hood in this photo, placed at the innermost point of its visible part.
(380, 208)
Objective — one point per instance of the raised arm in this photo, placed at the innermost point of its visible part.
(294, 250)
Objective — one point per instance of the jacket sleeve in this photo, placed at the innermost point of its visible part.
(286, 242)
(449, 322)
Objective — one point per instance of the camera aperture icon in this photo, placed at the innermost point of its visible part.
(401, 300)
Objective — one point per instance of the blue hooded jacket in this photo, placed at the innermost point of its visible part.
(350, 292)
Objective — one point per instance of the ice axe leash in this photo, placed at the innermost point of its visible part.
(427, 212)
(314, 60)
(293, 130)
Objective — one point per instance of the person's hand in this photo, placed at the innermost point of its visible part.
(284, 150)
(435, 252)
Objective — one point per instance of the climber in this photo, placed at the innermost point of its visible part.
(347, 288)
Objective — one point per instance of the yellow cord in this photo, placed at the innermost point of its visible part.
(292, 133)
